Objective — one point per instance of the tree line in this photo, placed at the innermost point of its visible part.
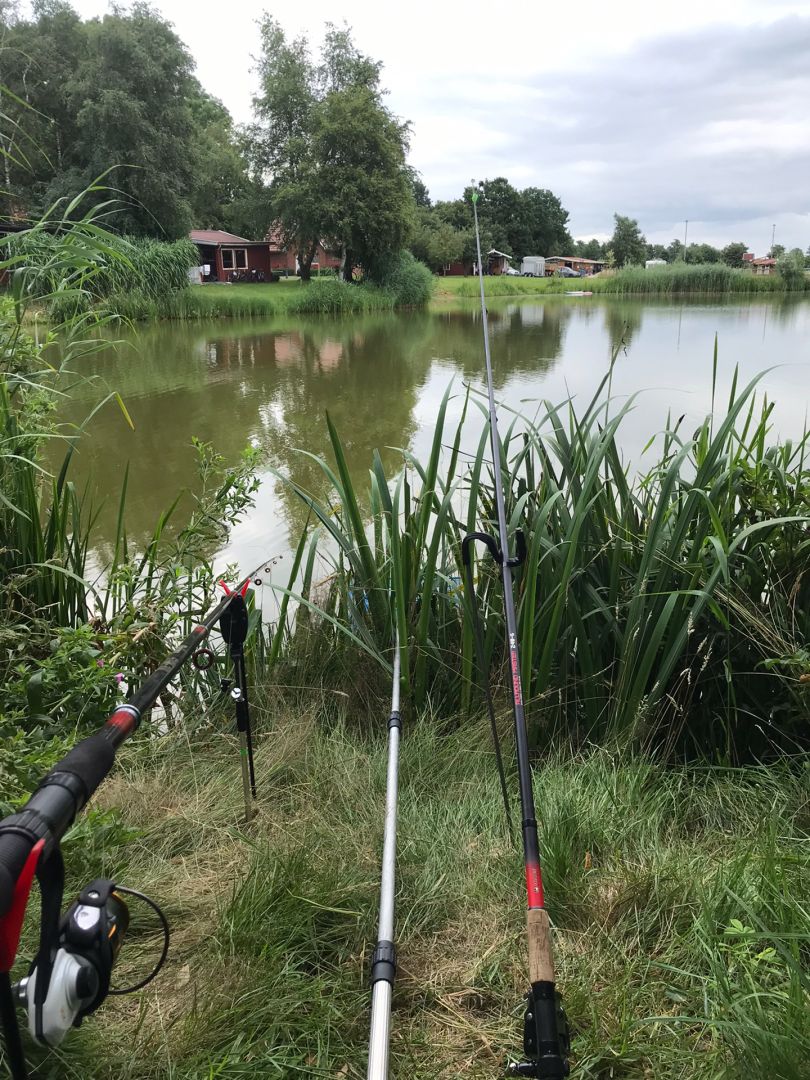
(113, 105)
(629, 247)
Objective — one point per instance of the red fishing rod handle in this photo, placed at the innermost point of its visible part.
(60, 796)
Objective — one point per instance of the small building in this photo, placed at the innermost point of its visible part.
(574, 262)
(228, 257)
(285, 260)
(763, 266)
(498, 262)
(459, 268)
(652, 264)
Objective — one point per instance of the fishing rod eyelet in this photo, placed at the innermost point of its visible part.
(203, 659)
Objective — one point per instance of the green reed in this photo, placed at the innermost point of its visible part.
(665, 608)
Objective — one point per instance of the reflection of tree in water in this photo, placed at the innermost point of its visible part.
(270, 388)
(525, 338)
(622, 322)
(366, 376)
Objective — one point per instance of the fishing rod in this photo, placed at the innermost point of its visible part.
(384, 962)
(545, 1035)
(70, 974)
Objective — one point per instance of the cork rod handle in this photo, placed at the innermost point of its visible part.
(541, 962)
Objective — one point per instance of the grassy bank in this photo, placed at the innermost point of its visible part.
(664, 613)
(402, 283)
(679, 902)
(679, 279)
(324, 296)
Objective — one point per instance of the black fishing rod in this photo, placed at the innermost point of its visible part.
(545, 1037)
(70, 975)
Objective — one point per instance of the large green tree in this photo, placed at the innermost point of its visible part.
(528, 222)
(114, 96)
(702, 253)
(589, 249)
(627, 243)
(732, 254)
(221, 188)
(333, 153)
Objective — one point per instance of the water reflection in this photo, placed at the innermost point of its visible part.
(381, 379)
(525, 338)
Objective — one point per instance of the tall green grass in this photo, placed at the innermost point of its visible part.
(678, 897)
(678, 279)
(666, 609)
(67, 627)
(70, 266)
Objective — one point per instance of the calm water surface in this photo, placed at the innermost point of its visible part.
(382, 377)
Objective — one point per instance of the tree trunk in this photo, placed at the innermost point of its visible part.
(348, 265)
(305, 257)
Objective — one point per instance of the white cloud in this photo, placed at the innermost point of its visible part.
(662, 111)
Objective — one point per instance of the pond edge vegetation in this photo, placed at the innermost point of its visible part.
(686, 884)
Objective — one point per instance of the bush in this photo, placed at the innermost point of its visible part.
(409, 280)
(791, 270)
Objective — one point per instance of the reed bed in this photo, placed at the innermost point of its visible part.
(679, 279)
(666, 610)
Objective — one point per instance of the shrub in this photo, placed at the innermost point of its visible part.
(409, 280)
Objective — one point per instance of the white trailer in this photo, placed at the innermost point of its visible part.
(533, 266)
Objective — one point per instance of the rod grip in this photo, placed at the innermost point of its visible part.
(541, 962)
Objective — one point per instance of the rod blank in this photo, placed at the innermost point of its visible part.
(383, 968)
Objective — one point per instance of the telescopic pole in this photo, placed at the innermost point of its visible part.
(545, 1042)
(384, 964)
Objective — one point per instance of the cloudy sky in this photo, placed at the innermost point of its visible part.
(695, 110)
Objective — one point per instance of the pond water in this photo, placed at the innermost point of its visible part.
(382, 378)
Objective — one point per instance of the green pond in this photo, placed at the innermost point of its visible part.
(382, 377)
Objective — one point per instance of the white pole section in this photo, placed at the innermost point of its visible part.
(384, 964)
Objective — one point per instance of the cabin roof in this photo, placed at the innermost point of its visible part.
(218, 236)
(573, 258)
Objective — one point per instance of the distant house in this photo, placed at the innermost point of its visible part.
(285, 259)
(574, 262)
(497, 262)
(227, 256)
(763, 266)
(459, 268)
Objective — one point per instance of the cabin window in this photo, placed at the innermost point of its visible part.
(234, 259)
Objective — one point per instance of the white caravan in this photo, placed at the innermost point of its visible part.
(533, 266)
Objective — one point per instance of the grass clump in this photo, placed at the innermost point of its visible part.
(678, 899)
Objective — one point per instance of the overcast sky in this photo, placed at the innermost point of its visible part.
(698, 109)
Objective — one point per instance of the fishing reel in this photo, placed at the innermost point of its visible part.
(71, 978)
(546, 1039)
